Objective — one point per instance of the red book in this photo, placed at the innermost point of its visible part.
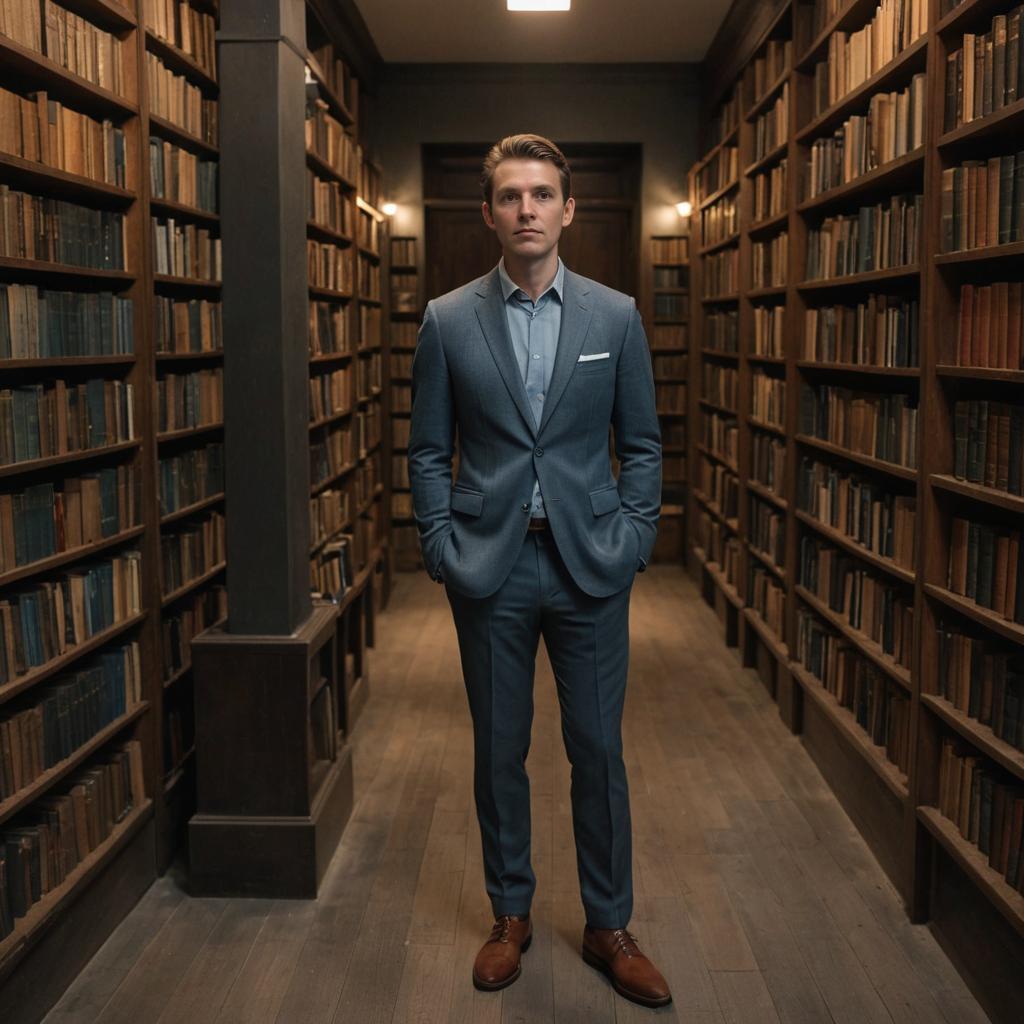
(1001, 313)
(966, 325)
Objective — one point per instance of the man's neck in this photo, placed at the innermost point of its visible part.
(533, 276)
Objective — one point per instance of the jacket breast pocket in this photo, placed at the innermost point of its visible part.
(604, 500)
(470, 503)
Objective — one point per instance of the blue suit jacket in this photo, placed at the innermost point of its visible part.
(466, 379)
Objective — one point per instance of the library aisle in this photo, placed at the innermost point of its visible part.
(754, 892)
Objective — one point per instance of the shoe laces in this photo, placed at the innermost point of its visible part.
(502, 927)
(625, 942)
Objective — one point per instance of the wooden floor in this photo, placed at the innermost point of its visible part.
(753, 891)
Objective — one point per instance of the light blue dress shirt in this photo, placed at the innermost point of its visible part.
(534, 328)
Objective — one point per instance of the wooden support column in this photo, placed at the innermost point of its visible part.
(274, 787)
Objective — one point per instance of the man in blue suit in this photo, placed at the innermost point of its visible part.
(529, 366)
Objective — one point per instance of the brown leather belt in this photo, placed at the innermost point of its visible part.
(538, 523)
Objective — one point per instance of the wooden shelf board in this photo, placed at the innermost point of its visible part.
(988, 495)
(328, 234)
(754, 357)
(887, 177)
(330, 357)
(188, 510)
(712, 507)
(759, 106)
(178, 435)
(180, 62)
(756, 487)
(980, 736)
(176, 209)
(852, 13)
(170, 357)
(868, 277)
(62, 362)
(69, 458)
(715, 407)
(770, 224)
(23, 572)
(768, 636)
(981, 373)
(186, 283)
(973, 610)
(974, 864)
(999, 121)
(727, 140)
(771, 157)
(704, 450)
(905, 64)
(983, 254)
(766, 560)
(39, 177)
(28, 928)
(892, 468)
(714, 353)
(62, 84)
(770, 428)
(37, 787)
(173, 133)
(712, 300)
(886, 565)
(873, 754)
(49, 668)
(323, 485)
(723, 243)
(909, 372)
(192, 585)
(861, 641)
(718, 194)
(116, 280)
(334, 417)
(325, 170)
(730, 592)
(772, 291)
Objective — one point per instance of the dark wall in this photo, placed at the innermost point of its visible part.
(656, 105)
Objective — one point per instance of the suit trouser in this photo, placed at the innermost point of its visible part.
(587, 640)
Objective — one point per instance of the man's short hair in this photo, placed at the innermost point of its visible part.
(524, 147)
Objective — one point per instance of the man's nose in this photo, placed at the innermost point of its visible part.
(525, 208)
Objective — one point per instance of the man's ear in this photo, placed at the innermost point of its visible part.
(568, 211)
(485, 209)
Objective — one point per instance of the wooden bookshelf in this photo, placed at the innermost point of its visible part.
(118, 870)
(406, 310)
(941, 876)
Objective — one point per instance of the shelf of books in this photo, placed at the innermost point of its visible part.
(188, 414)
(79, 532)
(669, 314)
(859, 481)
(346, 240)
(403, 327)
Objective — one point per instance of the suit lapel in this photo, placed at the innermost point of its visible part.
(576, 315)
(494, 324)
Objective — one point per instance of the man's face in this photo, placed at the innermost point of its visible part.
(527, 212)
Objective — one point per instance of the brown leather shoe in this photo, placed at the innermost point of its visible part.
(614, 952)
(498, 962)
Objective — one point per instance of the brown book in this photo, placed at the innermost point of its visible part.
(999, 575)
(1001, 312)
(1013, 560)
(1015, 830)
(966, 325)
(1014, 325)
(995, 839)
(991, 444)
(992, 203)
(983, 327)
(1002, 447)
(958, 556)
(78, 799)
(7, 550)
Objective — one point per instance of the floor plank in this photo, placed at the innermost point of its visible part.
(753, 891)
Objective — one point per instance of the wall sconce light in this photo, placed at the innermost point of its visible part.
(683, 209)
(389, 209)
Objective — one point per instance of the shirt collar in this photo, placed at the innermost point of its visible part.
(509, 287)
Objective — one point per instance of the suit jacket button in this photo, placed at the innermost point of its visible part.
(538, 452)
(525, 508)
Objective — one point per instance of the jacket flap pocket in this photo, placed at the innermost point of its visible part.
(468, 502)
(604, 500)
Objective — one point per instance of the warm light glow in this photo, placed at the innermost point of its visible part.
(538, 5)
(389, 209)
(683, 208)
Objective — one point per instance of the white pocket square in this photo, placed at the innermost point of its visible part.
(597, 355)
